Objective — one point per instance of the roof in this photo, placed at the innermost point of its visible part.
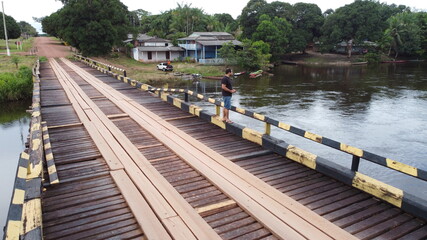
(219, 42)
(156, 39)
(161, 49)
(208, 36)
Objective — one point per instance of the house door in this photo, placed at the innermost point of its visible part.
(168, 55)
(150, 55)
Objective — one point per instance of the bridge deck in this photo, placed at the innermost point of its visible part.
(133, 166)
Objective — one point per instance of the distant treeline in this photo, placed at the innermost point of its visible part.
(95, 27)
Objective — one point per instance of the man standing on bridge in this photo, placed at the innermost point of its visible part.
(227, 92)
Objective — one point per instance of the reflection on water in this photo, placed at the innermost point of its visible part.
(381, 109)
(14, 124)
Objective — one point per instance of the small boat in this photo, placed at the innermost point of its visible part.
(359, 63)
(398, 61)
(239, 73)
(213, 77)
(255, 73)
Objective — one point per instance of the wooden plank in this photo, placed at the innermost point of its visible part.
(65, 126)
(216, 207)
(193, 220)
(116, 98)
(144, 215)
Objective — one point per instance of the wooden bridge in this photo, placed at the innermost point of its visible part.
(116, 162)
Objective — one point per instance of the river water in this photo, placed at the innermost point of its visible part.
(381, 109)
(14, 125)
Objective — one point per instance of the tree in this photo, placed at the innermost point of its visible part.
(13, 29)
(16, 60)
(93, 27)
(228, 53)
(187, 19)
(404, 34)
(275, 32)
(422, 23)
(358, 21)
(250, 15)
(278, 9)
(307, 20)
(27, 29)
(227, 22)
(254, 55)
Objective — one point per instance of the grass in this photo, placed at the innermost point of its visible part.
(6, 64)
(148, 73)
(26, 45)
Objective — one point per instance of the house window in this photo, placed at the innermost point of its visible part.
(168, 55)
(150, 55)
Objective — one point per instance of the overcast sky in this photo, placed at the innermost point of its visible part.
(25, 10)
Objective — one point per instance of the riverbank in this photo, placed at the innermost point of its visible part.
(16, 77)
(148, 73)
(316, 58)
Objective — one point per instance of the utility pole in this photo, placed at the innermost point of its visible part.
(5, 30)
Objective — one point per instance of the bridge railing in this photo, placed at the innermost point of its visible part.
(407, 201)
(24, 218)
(356, 153)
(108, 67)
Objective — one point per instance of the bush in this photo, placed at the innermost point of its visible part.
(372, 57)
(16, 86)
(43, 59)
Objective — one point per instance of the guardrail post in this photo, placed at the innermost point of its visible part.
(186, 97)
(355, 163)
(218, 110)
(267, 128)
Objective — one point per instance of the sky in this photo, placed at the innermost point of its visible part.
(25, 10)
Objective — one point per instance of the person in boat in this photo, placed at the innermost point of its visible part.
(227, 93)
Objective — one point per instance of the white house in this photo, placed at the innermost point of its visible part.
(154, 49)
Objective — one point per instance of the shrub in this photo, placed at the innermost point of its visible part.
(372, 57)
(16, 86)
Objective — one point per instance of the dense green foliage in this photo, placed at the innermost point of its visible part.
(275, 32)
(93, 27)
(15, 86)
(13, 30)
(27, 29)
(253, 55)
(306, 20)
(358, 21)
(182, 21)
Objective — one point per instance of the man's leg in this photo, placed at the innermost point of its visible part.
(224, 114)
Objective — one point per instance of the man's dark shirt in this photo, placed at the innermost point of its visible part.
(227, 81)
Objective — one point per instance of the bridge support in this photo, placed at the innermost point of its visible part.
(355, 164)
(267, 129)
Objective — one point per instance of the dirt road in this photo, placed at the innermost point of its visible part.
(51, 48)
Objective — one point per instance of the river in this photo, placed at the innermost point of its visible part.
(381, 109)
(14, 125)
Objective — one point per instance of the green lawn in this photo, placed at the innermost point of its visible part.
(26, 45)
(6, 64)
(148, 73)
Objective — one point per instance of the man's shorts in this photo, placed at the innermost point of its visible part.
(227, 102)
